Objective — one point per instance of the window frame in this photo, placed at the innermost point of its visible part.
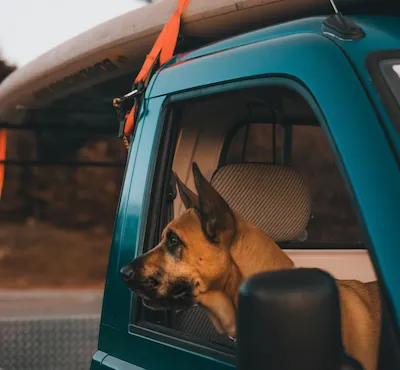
(171, 337)
(137, 324)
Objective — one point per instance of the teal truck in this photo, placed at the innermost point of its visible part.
(318, 92)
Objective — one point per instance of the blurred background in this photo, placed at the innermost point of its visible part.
(56, 220)
(53, 235)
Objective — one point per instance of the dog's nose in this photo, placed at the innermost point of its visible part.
(127, 273)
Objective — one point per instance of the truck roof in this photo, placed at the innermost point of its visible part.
(118, 47)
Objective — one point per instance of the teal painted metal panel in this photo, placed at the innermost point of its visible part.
(131, 213)
(117, 364)
(97, 359)
(296, 27)
(146, 353)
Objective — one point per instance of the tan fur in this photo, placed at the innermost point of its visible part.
(217, 271)
(252, 252)
(361, 320)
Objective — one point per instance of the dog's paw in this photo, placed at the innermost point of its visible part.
(221, 311)
(231, 330)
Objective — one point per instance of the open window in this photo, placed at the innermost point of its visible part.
(269, 138)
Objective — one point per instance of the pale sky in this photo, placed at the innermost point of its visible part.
(28, 28)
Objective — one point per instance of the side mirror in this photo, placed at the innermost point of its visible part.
(290, 320)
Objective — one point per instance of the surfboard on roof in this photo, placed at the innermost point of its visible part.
(119, 46)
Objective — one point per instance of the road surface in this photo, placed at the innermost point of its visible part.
(43, 303)
(39, 330)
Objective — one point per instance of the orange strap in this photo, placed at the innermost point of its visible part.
(3, 145)
(164, 47)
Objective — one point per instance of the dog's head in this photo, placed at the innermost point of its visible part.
(193, 255)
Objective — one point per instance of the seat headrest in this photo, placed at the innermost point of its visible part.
(274, 198)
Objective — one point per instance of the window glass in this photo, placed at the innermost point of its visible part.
(333, 219)
(254, 142)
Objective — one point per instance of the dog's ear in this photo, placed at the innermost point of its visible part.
(216, 217)
(189, 199)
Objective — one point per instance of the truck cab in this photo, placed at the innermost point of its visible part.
(295, 123)
(254, 111)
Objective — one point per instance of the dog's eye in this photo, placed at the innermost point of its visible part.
(173, 242)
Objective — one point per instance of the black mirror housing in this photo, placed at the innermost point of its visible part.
(290, 320)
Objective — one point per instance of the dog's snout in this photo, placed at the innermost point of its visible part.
(127, 273)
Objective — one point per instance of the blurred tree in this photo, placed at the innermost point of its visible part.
(5, 69)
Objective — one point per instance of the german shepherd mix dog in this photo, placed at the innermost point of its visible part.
(207, 252)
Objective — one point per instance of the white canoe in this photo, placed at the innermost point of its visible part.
(120, 45)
